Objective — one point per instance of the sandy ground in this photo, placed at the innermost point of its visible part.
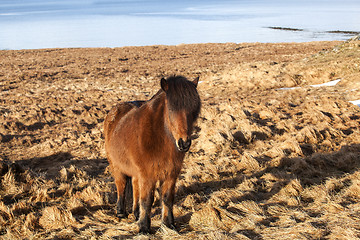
(265, 163)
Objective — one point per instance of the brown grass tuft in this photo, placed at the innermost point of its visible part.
(54, 218)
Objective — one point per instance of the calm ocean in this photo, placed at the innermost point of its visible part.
(30, 24)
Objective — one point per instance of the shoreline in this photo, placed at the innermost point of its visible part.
(347, 33)
(190, 44)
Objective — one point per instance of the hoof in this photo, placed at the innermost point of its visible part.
(169, 222)
(144, 227)
(170, 226)
(144, 230)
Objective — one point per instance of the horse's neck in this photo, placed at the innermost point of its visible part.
(157, 107)
(159, 126)
(159, 112)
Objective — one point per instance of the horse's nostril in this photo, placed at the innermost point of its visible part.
(184, 146)
(181, 143)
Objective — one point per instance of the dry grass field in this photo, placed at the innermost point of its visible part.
(266, 163)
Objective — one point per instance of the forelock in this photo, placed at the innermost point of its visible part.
(182, 95)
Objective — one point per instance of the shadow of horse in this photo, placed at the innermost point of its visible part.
(310, 171)
(50, 166)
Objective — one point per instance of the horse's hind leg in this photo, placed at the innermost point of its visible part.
(135, 208)
(120, 182)
(168, 196)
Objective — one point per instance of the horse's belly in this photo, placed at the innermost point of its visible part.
(119, 157)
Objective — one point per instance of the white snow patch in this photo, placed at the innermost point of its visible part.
(328, 84)
(288, 88)
(356, 102)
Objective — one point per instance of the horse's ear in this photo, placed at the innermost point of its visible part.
(196, 81)
(164, 84)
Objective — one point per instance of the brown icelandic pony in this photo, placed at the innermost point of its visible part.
(147, 141)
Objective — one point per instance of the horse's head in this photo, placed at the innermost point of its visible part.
(183, 108)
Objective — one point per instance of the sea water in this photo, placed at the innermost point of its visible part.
(30, 24)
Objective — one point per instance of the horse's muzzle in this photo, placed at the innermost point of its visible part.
(184, 146)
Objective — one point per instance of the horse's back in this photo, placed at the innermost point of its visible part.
(117, 113)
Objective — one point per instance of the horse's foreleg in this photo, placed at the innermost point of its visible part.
(135, 208)
(120, 182)
(146, 200)
(168, 196)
